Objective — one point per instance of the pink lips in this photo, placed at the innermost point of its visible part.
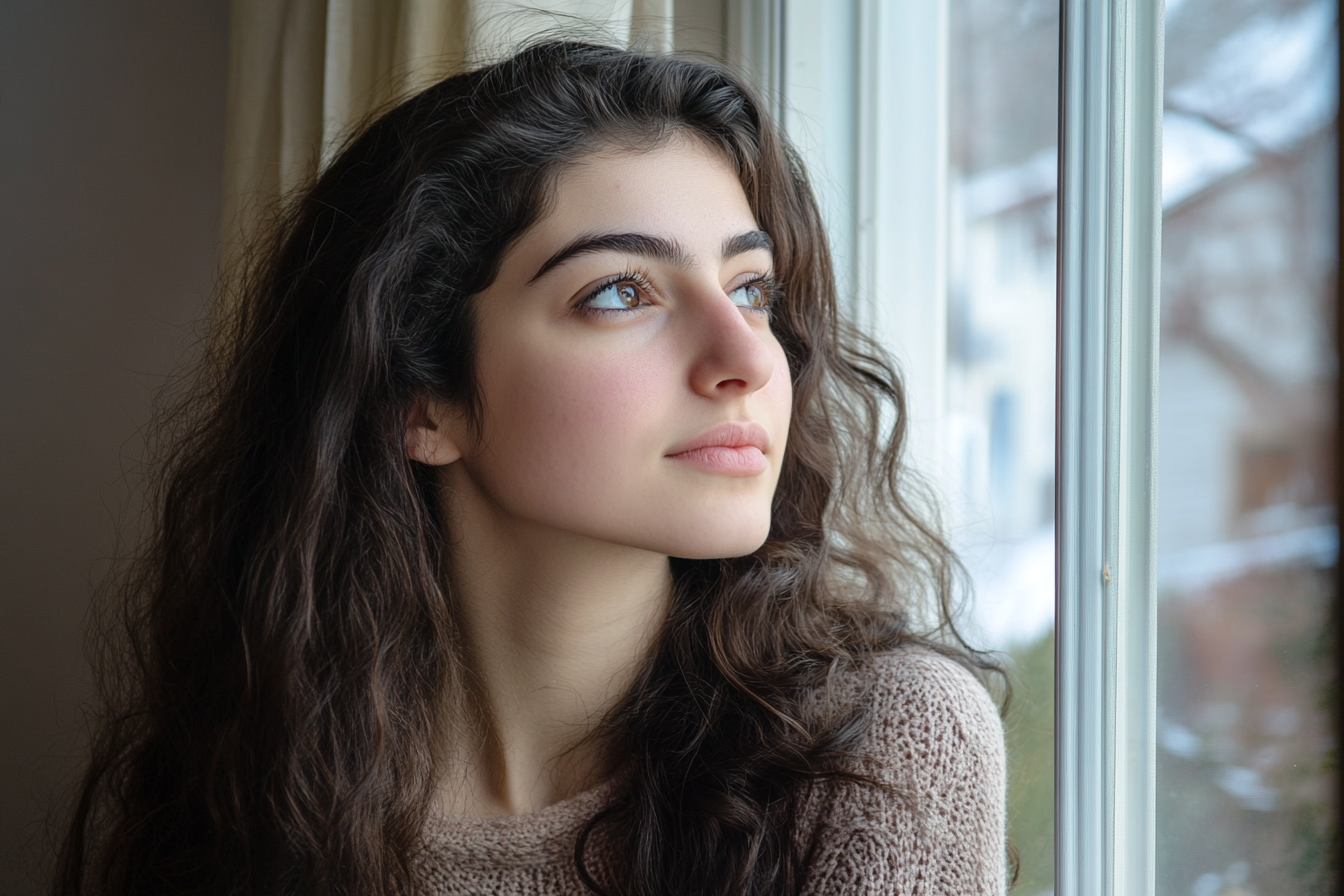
(730, 449)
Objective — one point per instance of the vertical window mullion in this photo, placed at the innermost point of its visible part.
(861, 87)
(902, 191)
(1109, 258)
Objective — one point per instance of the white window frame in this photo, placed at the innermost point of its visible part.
(887, 221)
(1110, 220)
(849, 104)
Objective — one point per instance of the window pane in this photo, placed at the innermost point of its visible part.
(999, 446)
(1247, 534)
(971, 230)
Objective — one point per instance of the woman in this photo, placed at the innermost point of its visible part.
(540, 528)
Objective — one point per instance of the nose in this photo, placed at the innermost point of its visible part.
(731, 354)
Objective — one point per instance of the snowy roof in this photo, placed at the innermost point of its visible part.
(1266, 87)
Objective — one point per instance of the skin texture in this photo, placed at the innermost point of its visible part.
(568, 502)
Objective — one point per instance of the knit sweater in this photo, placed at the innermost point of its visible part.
(938, 831)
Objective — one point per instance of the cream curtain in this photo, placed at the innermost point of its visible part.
(302, 73)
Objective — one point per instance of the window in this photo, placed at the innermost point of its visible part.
(1247, 536)
(1183, 211)
(932, 130)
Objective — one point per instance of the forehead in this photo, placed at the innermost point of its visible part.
(683, 187)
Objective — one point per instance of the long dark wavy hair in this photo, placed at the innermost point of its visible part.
(272, 714)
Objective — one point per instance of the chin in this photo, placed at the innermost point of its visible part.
(716, 529)
(717, 542)
(717, 555)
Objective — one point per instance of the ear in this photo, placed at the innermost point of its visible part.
(427, 437)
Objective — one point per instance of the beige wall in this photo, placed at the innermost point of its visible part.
(111, 136)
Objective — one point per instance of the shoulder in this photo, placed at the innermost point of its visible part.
(927, 707)
(933, 821)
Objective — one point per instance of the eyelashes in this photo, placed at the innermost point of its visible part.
(619, 293)
(756, 294)
(632, 291)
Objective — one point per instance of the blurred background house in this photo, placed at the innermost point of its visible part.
(1248, 536)
(1248, 532)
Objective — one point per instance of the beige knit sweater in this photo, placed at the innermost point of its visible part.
(936, 736)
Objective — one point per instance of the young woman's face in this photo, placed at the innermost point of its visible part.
(632, 389)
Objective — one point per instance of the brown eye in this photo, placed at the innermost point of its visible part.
(755, 294)
(620, 295)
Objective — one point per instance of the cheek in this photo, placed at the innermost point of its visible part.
(567, 423)
(778, 392)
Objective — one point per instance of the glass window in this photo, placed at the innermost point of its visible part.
(999, 417)
(932, 129)
(1247, 535)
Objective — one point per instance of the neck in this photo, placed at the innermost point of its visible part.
(555, 628)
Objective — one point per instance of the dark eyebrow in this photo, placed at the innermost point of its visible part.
(746, 242)
(632, 243)
(649, 246)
